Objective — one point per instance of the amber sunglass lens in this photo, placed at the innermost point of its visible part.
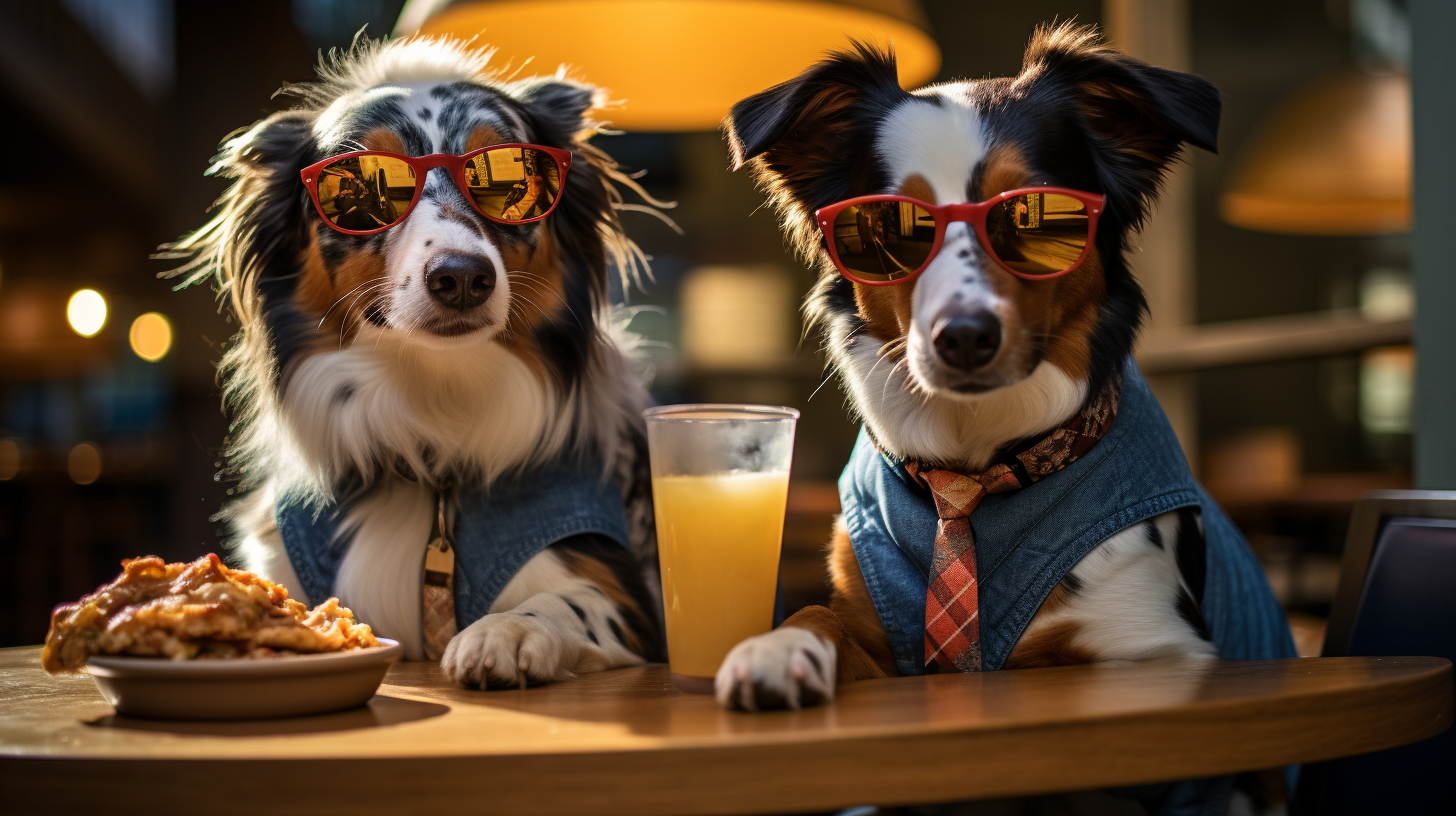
(513, 183)
(363, 193)
(1038, 233)
(883, 240)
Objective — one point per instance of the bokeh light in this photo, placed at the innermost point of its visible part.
(84, 463)
(86, 312)
(151, 336)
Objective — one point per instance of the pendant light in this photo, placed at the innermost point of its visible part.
(678, 65)
(1335, 159)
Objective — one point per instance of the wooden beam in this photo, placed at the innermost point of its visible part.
(1291, 337)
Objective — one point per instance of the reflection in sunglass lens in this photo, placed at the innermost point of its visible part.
(366, 192)
(513, 183)
(1038, 233)
(883, 240)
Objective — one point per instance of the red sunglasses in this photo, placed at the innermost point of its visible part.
(367, 191)
(1034, 233)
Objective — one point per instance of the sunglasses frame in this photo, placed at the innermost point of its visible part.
(422, 165)
(946, 214)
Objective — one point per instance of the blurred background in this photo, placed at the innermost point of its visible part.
(1279, 270)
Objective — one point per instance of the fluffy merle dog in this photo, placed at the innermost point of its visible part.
(351, 383)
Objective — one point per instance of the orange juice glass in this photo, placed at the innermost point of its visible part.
(720, 483)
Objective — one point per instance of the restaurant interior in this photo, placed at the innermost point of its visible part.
(1281, 341)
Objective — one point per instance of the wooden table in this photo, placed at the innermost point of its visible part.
(624, 742)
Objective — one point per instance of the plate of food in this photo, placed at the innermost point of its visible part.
(202, 641)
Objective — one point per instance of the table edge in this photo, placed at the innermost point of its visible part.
(1158, 745)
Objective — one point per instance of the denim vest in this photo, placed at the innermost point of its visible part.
(1028, 540)
(496, 529)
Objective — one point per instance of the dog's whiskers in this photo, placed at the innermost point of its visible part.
(517, 301)
(371, 282)
(545, 284)
(352, 317)
(827, 377)
(890, 377)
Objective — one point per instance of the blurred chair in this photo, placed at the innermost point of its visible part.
(1397, 596)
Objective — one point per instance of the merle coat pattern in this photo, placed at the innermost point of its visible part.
(350, 382)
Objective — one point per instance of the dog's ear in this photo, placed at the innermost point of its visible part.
(811, 139)
(815, 107)
(280, 144)
(261, 217)
(559, 105)
(266, 208)
(1138, 116)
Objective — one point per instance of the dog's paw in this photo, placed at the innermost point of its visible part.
(786, 668)
(509, 650)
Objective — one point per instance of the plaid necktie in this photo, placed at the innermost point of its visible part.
(952, 627)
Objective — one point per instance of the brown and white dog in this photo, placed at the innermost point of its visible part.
(1079, 115)
(353, 381)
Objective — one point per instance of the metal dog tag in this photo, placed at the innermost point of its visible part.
(438, 620)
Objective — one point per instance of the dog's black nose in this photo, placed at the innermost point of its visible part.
(460, 280)
(969, 341)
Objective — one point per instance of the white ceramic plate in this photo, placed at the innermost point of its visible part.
(242, 688)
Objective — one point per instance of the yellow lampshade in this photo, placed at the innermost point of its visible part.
(676, 65)
(1334, 160)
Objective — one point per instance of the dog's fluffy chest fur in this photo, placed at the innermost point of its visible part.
(478, 409)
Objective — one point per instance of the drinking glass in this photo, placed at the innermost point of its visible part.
(720, 483)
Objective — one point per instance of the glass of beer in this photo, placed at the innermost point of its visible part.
(720, 484)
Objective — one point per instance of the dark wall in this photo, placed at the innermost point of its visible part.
(67, 221)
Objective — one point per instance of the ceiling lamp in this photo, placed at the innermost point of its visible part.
(1334, 160)
(676, 65)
